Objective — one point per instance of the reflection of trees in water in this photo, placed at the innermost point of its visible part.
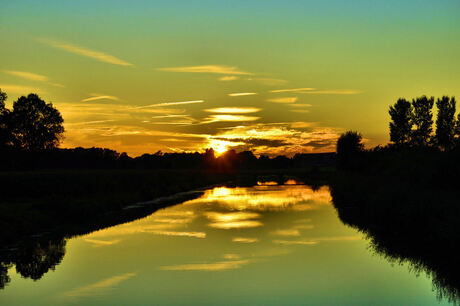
(33, 260)
(405, 224)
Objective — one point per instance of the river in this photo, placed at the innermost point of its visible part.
(261, 245)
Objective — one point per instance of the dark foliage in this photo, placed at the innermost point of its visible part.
(407, 203)
(349, 148)
(422, 118)
(35, 125)
(445, 123)
(401, 122)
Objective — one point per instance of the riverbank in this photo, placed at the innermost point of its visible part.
(44, 201)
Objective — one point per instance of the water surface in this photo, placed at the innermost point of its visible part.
(265, 245)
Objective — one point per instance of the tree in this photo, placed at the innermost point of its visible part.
(422, 118)
(5, 132)
(349, 145)
(401, 125)
(36, 125)
(445, 122)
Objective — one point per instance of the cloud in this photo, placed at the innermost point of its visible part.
(278, 138)
(228, 78)
(28, 75)
(284, 100)
(19, 89)
(217, 69)
(296, 90)
(300, 105)
(295, 242)
(99, 56)
(244, 240)
(302, 111)
(333, 92)
(313, 91)
(239, 94)
(233, 110)
(217, 266)
(228, 118)
(171, 103)
(286, 232)
(100, 97)
(96, 288)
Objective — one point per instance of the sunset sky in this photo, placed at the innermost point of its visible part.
(275, 77)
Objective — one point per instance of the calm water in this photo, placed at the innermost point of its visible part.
(261, 245)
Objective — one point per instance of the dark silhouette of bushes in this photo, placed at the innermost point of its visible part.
(32, 125)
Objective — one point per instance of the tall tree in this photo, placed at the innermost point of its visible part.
(401, 124)
(36, 125)
(445, 122)
(422, 118)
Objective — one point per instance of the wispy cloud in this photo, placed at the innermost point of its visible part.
(216, 266)
(269, 81)
(295, 242)
(228, 78)
(239, 94)
(28, 75)
(96, 288)
(216, 69)
(244, 239)
(302, 111)
(284, 100)
(99, 56)
(333, 92)
(295, 90)
(170, 103)
(229, 118)
(286, 232)
(314, 91)
(19, 89)
(95, 97)
(234, 110)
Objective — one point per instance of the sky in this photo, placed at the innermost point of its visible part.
(268, 76)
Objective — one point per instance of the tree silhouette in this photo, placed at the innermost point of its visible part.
(401, 125)
(445, 122)
(5, 133)
(349, 146)
(36, 125)
(422, 118)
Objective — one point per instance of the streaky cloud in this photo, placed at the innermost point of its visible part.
(284, 100)
(239, 94)
(233, 110)
(216, 69)
(171, 103)
(228, 78)
(101, 97)
(296, 90)
(99, 56)
(27, 75)
(20, 89)
(332, 92)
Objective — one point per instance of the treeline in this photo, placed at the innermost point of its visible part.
(100, 158)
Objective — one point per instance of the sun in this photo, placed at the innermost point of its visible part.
(219, 146)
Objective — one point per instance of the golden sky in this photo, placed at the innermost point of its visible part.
(268, 76)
